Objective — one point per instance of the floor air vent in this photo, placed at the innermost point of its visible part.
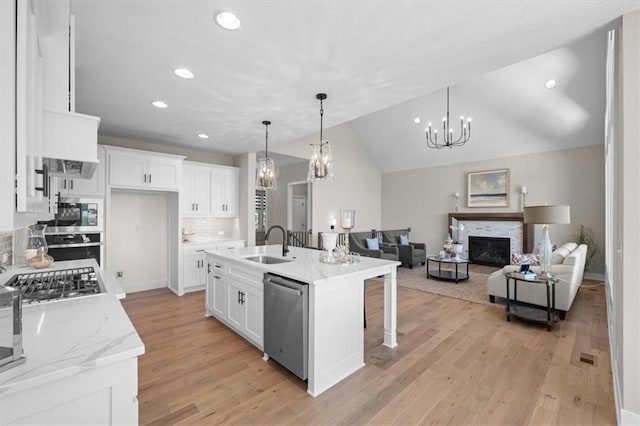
(588, 359)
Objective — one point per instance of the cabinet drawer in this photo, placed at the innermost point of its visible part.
(219, 266)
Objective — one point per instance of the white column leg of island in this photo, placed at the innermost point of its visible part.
(336, 332)
(390, 311)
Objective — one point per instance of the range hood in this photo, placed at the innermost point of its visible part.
(70, 168)
(70, 143)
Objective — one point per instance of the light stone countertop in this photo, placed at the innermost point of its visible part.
(66, 337)
(305, 264)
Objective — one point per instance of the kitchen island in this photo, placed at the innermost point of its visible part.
(336, 304)
(81, 359)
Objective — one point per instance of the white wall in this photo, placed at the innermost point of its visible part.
(277, 199)
(630, 205)
(7, 113)
(421, 199)
(357, 183)
(138, 230)
(247, 164)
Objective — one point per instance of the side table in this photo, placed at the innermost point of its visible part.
(530, 312)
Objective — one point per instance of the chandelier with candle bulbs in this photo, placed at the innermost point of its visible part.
(448, 140)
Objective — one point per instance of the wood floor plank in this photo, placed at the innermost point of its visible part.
(457, 363)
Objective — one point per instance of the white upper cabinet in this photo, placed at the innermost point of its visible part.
(30, 182)
(196, 190)
(46, 124)
(225, 191)
(57, 29)
(130, 168)
(210, 190)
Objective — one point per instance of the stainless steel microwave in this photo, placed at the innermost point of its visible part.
(77, 215)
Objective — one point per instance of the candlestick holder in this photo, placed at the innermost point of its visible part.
(347, 222)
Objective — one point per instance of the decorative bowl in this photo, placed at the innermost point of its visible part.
(41, 261)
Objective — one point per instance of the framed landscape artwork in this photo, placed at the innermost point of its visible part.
(488, 189)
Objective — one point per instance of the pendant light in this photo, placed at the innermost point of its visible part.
(448, 140)
(265, 169)
(321, 164)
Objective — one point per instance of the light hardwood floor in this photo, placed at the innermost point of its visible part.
(456, 362)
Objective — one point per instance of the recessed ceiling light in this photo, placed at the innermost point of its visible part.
(183, 72)
(550, 84)
(228, 21)
(203, 136)
(159, 104)
(416, 120)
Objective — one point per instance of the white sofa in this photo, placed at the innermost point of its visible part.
(567, 264)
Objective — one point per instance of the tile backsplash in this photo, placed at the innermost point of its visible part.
(6, 247)
(211, 228)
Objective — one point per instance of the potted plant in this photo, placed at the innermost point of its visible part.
(585, 236)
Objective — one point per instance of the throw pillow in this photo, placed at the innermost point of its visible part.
(525, 259)
(404, 240)
(372, 244)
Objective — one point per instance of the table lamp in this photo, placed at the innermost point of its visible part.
(545, 216)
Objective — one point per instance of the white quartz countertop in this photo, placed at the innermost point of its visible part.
(305, 264)
(63, 338)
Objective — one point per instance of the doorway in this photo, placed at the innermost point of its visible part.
(299, 206)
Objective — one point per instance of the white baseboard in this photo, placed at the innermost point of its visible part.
(592, 276)
(629, 418)
(136, 287)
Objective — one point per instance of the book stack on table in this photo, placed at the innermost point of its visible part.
(528, 275)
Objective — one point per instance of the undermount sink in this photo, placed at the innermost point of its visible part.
(269, 260)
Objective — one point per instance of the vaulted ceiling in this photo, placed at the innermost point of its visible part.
(381, 63)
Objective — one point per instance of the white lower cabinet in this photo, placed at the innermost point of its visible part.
(219, 296)
(194, 265)
(97, 395)
(234, 295)
(194, 273)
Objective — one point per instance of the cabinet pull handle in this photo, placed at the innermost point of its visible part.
(145, 178)
(64, 184)
(243, 295)
(216, 277)
(209, 269)
(149, 177)
(196, 206)
(215, 265)
(239, 298)
(71, 183)
(45, 180)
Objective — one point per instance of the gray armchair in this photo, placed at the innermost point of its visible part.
(358, 244)
(410, 255)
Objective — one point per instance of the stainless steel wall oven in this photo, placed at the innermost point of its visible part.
(73, 246)
(76, 231)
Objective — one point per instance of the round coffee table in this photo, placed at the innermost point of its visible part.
(447, 274)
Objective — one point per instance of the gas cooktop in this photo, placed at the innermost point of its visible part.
(38, 287)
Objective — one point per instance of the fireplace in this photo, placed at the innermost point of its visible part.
(492, 251)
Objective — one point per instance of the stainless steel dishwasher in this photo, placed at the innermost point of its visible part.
(286, 319)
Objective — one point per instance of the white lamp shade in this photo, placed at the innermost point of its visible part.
(547, 215)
